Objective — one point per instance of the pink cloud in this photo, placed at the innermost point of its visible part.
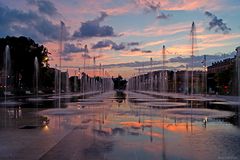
(155, 30)
(180, 5)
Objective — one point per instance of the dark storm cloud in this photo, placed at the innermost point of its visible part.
(71, 48)
(28, 23)
(113, 45)
(163, 16)
(109, 43)
(118, 47)
(135, 49)
(45, 7)
(92, 28)
(139, 50)
(217, 24)
(102, 44)
(133, 44)
(146, 51)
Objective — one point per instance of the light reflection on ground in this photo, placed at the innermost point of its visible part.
(114, 126)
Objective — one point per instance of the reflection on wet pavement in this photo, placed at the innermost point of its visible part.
(115, 125)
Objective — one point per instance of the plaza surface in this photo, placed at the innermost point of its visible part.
(119, 125)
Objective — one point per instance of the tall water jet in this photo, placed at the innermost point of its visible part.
(100, 74)
(36, 79)
(175, 81)
(56, 80)
(238, 71)
(164, 78)
(186, 84)
(103, 80)
(62, 26)
(94, 66)
(237, 65)
(75, 82)
(204, 79)
(36, 74)
(151, 75)
(193, 33)
(6, 69)
(79, 77)
(67, 82)
(94, 73)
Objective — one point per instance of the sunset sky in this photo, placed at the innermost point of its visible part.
(124, 35)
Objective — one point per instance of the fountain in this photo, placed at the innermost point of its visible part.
(7, 68)
(56, 80)
(35, 81)
(193, 32)
(186, 80)
(238, 71)
(75, 82)
(36, 85)
(151, 75)
(238, 78)
(164, 76)
(175, 81)
(67, 82)
(36, 73)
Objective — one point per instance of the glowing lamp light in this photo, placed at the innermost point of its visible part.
(46, 58)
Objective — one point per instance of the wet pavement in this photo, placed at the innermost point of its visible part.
(116, 125)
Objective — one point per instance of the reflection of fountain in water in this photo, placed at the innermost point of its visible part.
(120, 96)
(15, 113)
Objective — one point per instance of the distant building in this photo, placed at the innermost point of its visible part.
(169, 81)
(222, 77)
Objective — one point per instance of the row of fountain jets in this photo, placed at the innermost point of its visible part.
(87, 85)
(163, 77)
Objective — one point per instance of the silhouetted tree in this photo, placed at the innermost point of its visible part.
(23, 52)
(119, 83)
